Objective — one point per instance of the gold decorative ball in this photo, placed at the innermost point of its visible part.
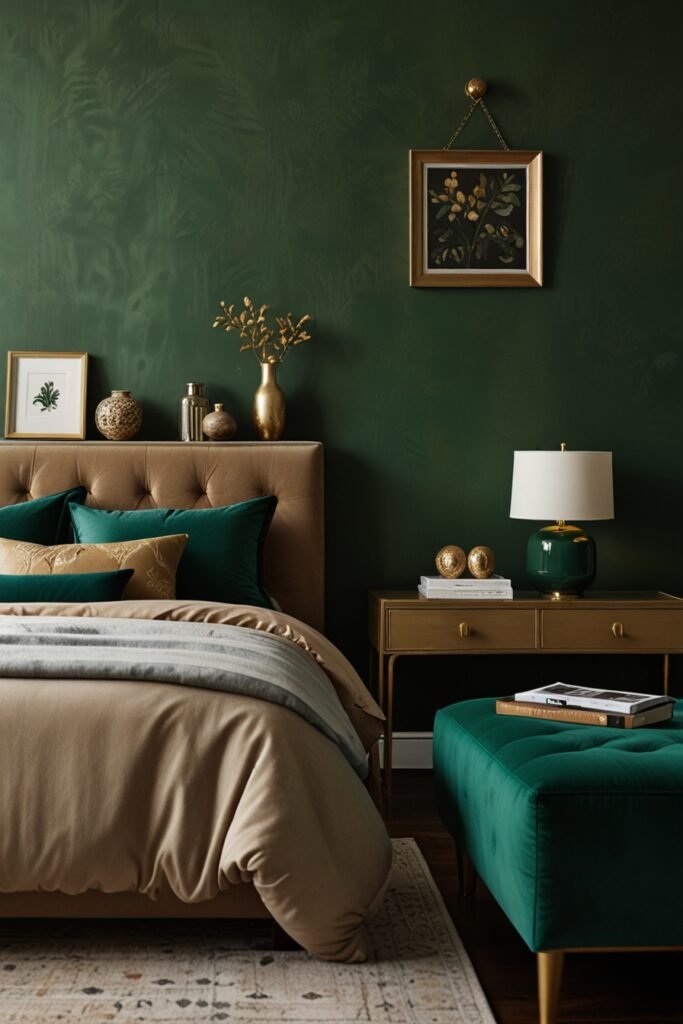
(481, 562)
(451, 561)
(475, 88)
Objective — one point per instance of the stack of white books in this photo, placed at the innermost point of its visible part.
(495, 588)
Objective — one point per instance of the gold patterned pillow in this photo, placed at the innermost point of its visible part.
(154, 560)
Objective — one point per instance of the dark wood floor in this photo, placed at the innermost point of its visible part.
(600, 988)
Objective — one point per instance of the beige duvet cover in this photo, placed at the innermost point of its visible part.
(152, 788)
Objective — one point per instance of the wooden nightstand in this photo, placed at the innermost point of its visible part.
(620, 622)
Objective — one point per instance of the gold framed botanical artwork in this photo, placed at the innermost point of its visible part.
(46, 394)
(476, 218)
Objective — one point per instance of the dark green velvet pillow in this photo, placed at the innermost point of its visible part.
(75, 586)
(40, 520)
(222, 560)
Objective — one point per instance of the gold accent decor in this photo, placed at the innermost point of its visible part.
(269, 405)
(475, 91)
(550, 964)
(252, 324)
(464, 630)
(450, 561)
(193, 407)
(475, 215)
(119, 417)
(481, 562)
(617, 630)
(219, 425)
(472, 244)
(476, 88)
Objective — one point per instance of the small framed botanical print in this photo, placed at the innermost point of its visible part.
(46, 393)
(476, 218)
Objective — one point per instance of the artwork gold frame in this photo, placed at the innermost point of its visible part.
(46, 395)
(476, 218)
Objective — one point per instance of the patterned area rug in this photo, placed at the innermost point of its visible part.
(195, 971)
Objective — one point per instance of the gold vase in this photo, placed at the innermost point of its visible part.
(269, 405)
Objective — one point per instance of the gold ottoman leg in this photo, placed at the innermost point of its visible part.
(549, 968)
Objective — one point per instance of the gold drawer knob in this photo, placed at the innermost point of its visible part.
(464, 629)
(617, 630)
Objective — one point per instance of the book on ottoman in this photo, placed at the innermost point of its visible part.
(618, 701)
(662, 712)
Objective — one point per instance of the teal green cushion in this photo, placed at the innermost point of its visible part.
(222, 560)
(40, 520)
(77, 586)
(576, 830)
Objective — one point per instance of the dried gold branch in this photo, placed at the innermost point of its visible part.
(251, 323)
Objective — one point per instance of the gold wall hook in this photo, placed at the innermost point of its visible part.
(476, 88)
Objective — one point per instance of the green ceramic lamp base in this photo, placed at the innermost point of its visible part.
(561, 561)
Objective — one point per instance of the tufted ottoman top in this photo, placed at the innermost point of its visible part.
(562, 757)
(570, 826)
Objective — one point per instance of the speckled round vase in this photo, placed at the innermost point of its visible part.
(119, 417)
(219, 425)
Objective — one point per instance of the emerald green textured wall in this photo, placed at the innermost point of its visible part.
(159, 155)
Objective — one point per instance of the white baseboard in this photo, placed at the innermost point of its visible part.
(411, 750)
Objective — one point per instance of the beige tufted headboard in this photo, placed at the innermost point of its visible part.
(136, 474)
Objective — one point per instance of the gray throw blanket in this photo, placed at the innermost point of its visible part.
(233, 659)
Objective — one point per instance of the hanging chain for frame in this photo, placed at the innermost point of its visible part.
(479, 102)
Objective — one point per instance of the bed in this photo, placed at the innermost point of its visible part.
(136, 797)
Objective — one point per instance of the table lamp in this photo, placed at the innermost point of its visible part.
(561, 485)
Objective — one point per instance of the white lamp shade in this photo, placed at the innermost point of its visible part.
(562, 485)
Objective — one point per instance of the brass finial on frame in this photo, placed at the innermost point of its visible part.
(476, 88)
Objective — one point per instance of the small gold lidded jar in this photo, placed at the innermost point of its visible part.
(219, 425)
(119, 417)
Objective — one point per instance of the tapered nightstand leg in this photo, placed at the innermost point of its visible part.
(379, 680)
(389, 725)
(372, 673)
(665, 675)
(549, 967)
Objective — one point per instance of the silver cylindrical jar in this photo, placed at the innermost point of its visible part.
(194, 405)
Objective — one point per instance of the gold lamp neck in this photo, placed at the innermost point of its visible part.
(560, 522)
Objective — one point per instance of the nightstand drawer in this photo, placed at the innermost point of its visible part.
(432, 629)
(612, 629)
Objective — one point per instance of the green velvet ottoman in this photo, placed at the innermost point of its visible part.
(576, 830)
